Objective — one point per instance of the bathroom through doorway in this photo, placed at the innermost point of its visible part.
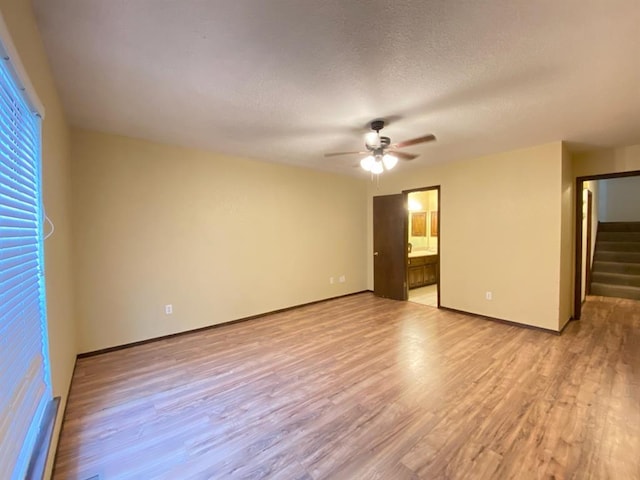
(423, 248)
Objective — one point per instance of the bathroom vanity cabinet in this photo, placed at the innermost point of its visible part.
(422, 270)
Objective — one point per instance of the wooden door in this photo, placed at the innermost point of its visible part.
(390, 247)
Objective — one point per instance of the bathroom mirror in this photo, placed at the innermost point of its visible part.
(434, 223)
(419, 224)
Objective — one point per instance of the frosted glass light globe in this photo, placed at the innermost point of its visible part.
(372, 139)
(389, 161)
(377, 168)
(367, 162)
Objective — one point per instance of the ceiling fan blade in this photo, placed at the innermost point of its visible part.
(414, 141)
(403, 155)
(335, 154)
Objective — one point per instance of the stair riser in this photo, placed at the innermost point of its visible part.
(618, 247)
(615, 291)
(616, 268)
(619, 227)
(625, 257)
(616, 279)
(619, 236)
(606, 267)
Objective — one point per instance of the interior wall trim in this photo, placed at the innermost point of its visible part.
(64, 415)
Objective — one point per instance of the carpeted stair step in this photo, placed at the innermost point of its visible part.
(615, 271)
(618, 291)
(625, 257)
(616, 279)
(616, 267)
(618, 246)
(619, 236)
(619, 227)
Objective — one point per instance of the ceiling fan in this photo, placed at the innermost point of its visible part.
(382, 154)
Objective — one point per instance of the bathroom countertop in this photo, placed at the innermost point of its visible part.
(422, 253)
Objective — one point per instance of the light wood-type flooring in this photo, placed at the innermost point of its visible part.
(364, 388)
(425, 295)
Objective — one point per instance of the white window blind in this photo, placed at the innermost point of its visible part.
(25, 387)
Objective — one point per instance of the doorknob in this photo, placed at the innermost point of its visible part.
(375, 253)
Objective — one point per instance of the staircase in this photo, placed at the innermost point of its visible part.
(616, 263)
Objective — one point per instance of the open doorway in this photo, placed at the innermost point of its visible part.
(607, 263)
(423, 246)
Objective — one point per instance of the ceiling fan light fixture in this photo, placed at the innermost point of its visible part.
(377, 146)
(389, 161)
(367, 163)
(377, 167)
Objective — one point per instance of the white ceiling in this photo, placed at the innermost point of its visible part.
(288, 80)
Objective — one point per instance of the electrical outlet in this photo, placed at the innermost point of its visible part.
(168, 309)
(331, 280)
(343, 279)
(488, 296)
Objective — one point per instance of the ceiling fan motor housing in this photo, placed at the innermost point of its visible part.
(377, 125)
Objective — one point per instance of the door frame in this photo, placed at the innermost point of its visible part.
(577, 282)
(406, 193)
(587, 261)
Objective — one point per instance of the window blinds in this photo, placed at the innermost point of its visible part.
(25, 387)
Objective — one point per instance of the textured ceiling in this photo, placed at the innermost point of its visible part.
(288, 80)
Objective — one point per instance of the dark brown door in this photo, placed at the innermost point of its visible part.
(390, 247)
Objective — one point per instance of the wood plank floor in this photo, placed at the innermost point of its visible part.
(364, 388)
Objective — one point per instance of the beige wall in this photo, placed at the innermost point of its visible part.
(567, 239)
(219, 238)
(516, 200)
(611, 160)
(56, 190)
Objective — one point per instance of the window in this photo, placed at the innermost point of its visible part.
(25, 386)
